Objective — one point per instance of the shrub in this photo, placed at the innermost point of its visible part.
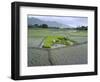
(50, 40)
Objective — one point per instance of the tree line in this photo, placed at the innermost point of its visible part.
(46, 26)
(82, 28)
(40, 26)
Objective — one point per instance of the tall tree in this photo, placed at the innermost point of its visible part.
(44, 26)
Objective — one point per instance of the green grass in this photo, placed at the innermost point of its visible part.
(50, 40)
(79, 33)
(40, 32)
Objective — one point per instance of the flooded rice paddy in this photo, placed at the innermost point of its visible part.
(71, 55)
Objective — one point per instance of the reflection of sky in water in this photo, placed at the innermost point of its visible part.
(67, 20)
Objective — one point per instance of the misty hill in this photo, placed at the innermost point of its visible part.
(33, 20)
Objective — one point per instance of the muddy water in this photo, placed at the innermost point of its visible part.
(62, 56)
(71, 55)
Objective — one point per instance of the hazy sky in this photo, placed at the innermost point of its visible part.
(67, 20)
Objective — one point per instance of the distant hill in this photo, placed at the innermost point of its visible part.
(33, 20)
